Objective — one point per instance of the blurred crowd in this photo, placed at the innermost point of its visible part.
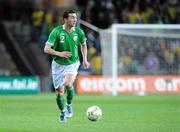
(103, 13)
(148, 55)
(43, 15)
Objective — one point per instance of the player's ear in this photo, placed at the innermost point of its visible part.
(65, 20)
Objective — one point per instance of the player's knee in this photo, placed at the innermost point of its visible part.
(69, 80)
(68, 84)
(60, 92)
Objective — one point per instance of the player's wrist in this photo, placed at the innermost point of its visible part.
(85, 60)
(57, 53)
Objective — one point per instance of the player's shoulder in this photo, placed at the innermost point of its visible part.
(79, 30)
(57, 28)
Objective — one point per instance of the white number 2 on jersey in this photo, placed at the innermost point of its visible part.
(62, 39)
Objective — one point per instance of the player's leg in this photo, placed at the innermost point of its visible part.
(58, 82)
(70, 73)
(60, 98)
(69, 80)
(60, 102)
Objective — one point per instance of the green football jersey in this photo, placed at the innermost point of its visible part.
(61, 40)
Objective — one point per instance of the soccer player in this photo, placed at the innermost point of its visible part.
(62, 44)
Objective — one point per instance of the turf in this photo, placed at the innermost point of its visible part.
(122, 113)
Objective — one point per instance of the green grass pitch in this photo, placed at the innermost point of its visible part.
(122, 113)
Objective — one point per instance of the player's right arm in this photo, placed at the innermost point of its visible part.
(49, 50)
(50, 42)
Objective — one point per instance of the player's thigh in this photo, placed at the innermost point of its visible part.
(69, 79)
(70, 73)
(57, 75)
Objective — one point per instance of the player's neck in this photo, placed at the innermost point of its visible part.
(68, 28)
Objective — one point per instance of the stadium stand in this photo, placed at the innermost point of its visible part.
(7, 66)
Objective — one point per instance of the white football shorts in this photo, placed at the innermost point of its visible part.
(59, 71)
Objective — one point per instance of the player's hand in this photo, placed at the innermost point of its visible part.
(65, 54)
(86, 64)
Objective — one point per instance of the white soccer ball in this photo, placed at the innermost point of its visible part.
(94, 113)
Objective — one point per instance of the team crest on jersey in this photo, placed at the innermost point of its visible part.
(75, 37)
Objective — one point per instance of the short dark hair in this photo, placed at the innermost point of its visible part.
(67, 12)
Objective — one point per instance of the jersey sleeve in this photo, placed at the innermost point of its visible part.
(52, 37)
(83, 38)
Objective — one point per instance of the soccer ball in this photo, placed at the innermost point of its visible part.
(94, 113)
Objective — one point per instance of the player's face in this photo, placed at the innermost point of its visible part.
(72, 19)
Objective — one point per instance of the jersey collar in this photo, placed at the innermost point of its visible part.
(63, 26)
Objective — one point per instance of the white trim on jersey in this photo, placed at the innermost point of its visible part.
(49, 43)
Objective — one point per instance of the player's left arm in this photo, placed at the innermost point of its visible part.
(84, 51)
(84, 55)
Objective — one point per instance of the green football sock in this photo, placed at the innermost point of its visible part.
(60, 103)
(70, 95)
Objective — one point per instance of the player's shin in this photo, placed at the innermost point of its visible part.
(60, 103)
(70, 95)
